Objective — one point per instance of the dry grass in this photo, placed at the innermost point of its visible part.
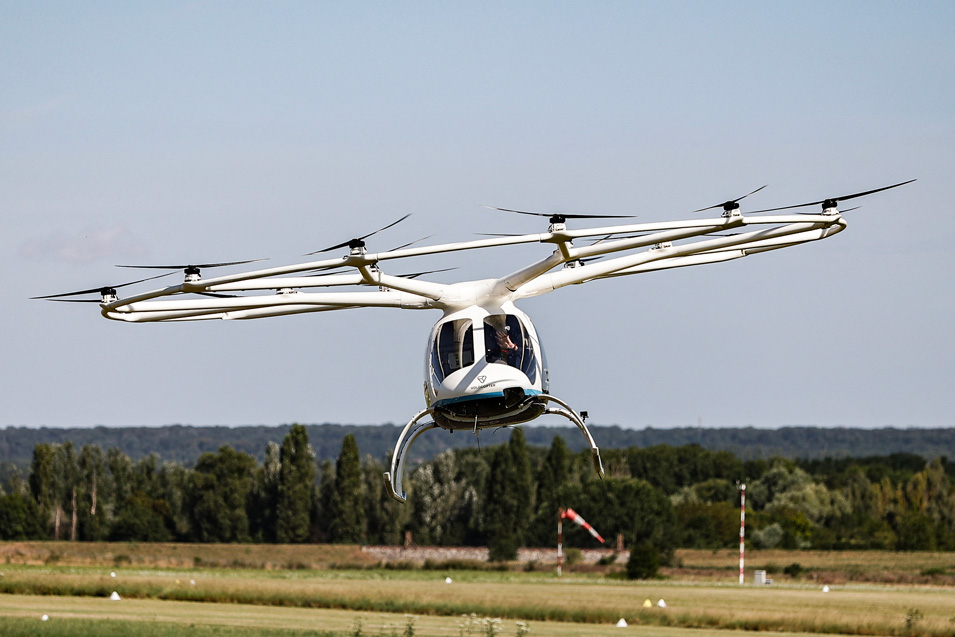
(271, 620)
(871, 610)
(173, 555)
(283, 576)
(823, 567)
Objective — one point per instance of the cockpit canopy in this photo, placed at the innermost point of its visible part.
(505, 341)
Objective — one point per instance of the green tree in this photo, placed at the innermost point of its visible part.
(347, 524)
(92, 516)
(65, 487)
(142, 519)
(523, 487)
(502, 508)
(18, 518)
(120, 469)
(218, 495)
(644, 562)
(510, 498)
(552, 480)
(322, 512)
(265, 495)
(173, 480)
(384, 517)
(916, 532)
(436, 492)
(295, 485)
(41, 481)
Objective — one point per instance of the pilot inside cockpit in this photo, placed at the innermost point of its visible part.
(497, 341)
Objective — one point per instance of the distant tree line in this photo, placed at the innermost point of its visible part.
(184, 444)
(506, 496)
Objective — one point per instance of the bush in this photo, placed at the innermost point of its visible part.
(769, 537)
(644, 562)
(573, 556)
(19, 518)
(607, 560)
(794, 570)
(502, 548)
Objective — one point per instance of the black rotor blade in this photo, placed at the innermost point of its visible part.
(74, 300)
(729, 205)
(411, 243)
(835, 199)
(417, 274)
(613, 237)
(362, 238)
(561, 214)
(100, 289)
(219, 296)
(189, 265)
(334, 271)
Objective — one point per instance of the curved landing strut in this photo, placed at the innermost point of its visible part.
(567, 412)
(411, 431)
(414, 428)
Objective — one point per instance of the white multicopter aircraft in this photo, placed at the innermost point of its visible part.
(484, 365)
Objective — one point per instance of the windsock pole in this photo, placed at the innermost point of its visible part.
(560, 539)
(742, 528)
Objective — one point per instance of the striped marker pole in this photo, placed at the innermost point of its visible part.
(560, 539)
(742, 528)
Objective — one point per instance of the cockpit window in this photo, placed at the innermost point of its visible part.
(453, 348)
(506, 342)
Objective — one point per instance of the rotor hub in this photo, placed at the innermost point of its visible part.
(192, 274)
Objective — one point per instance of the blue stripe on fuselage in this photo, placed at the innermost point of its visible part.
(491, 394)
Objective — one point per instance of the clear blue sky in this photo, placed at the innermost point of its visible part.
(193, 131)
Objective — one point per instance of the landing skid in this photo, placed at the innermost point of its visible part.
(415, 428)
(563, 409)
(411, 431)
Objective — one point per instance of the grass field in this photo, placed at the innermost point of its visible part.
(161, 589)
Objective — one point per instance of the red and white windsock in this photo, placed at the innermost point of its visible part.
(574, 517)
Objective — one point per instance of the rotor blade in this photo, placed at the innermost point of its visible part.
(100, 289)
(219, 296)
(835, 199)
(614, 237)
(333, 271)
(731, 201)
(362, 238)
(73, 300)
(561, 214)
(190, 265)
(411, 243)
(417, 274)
